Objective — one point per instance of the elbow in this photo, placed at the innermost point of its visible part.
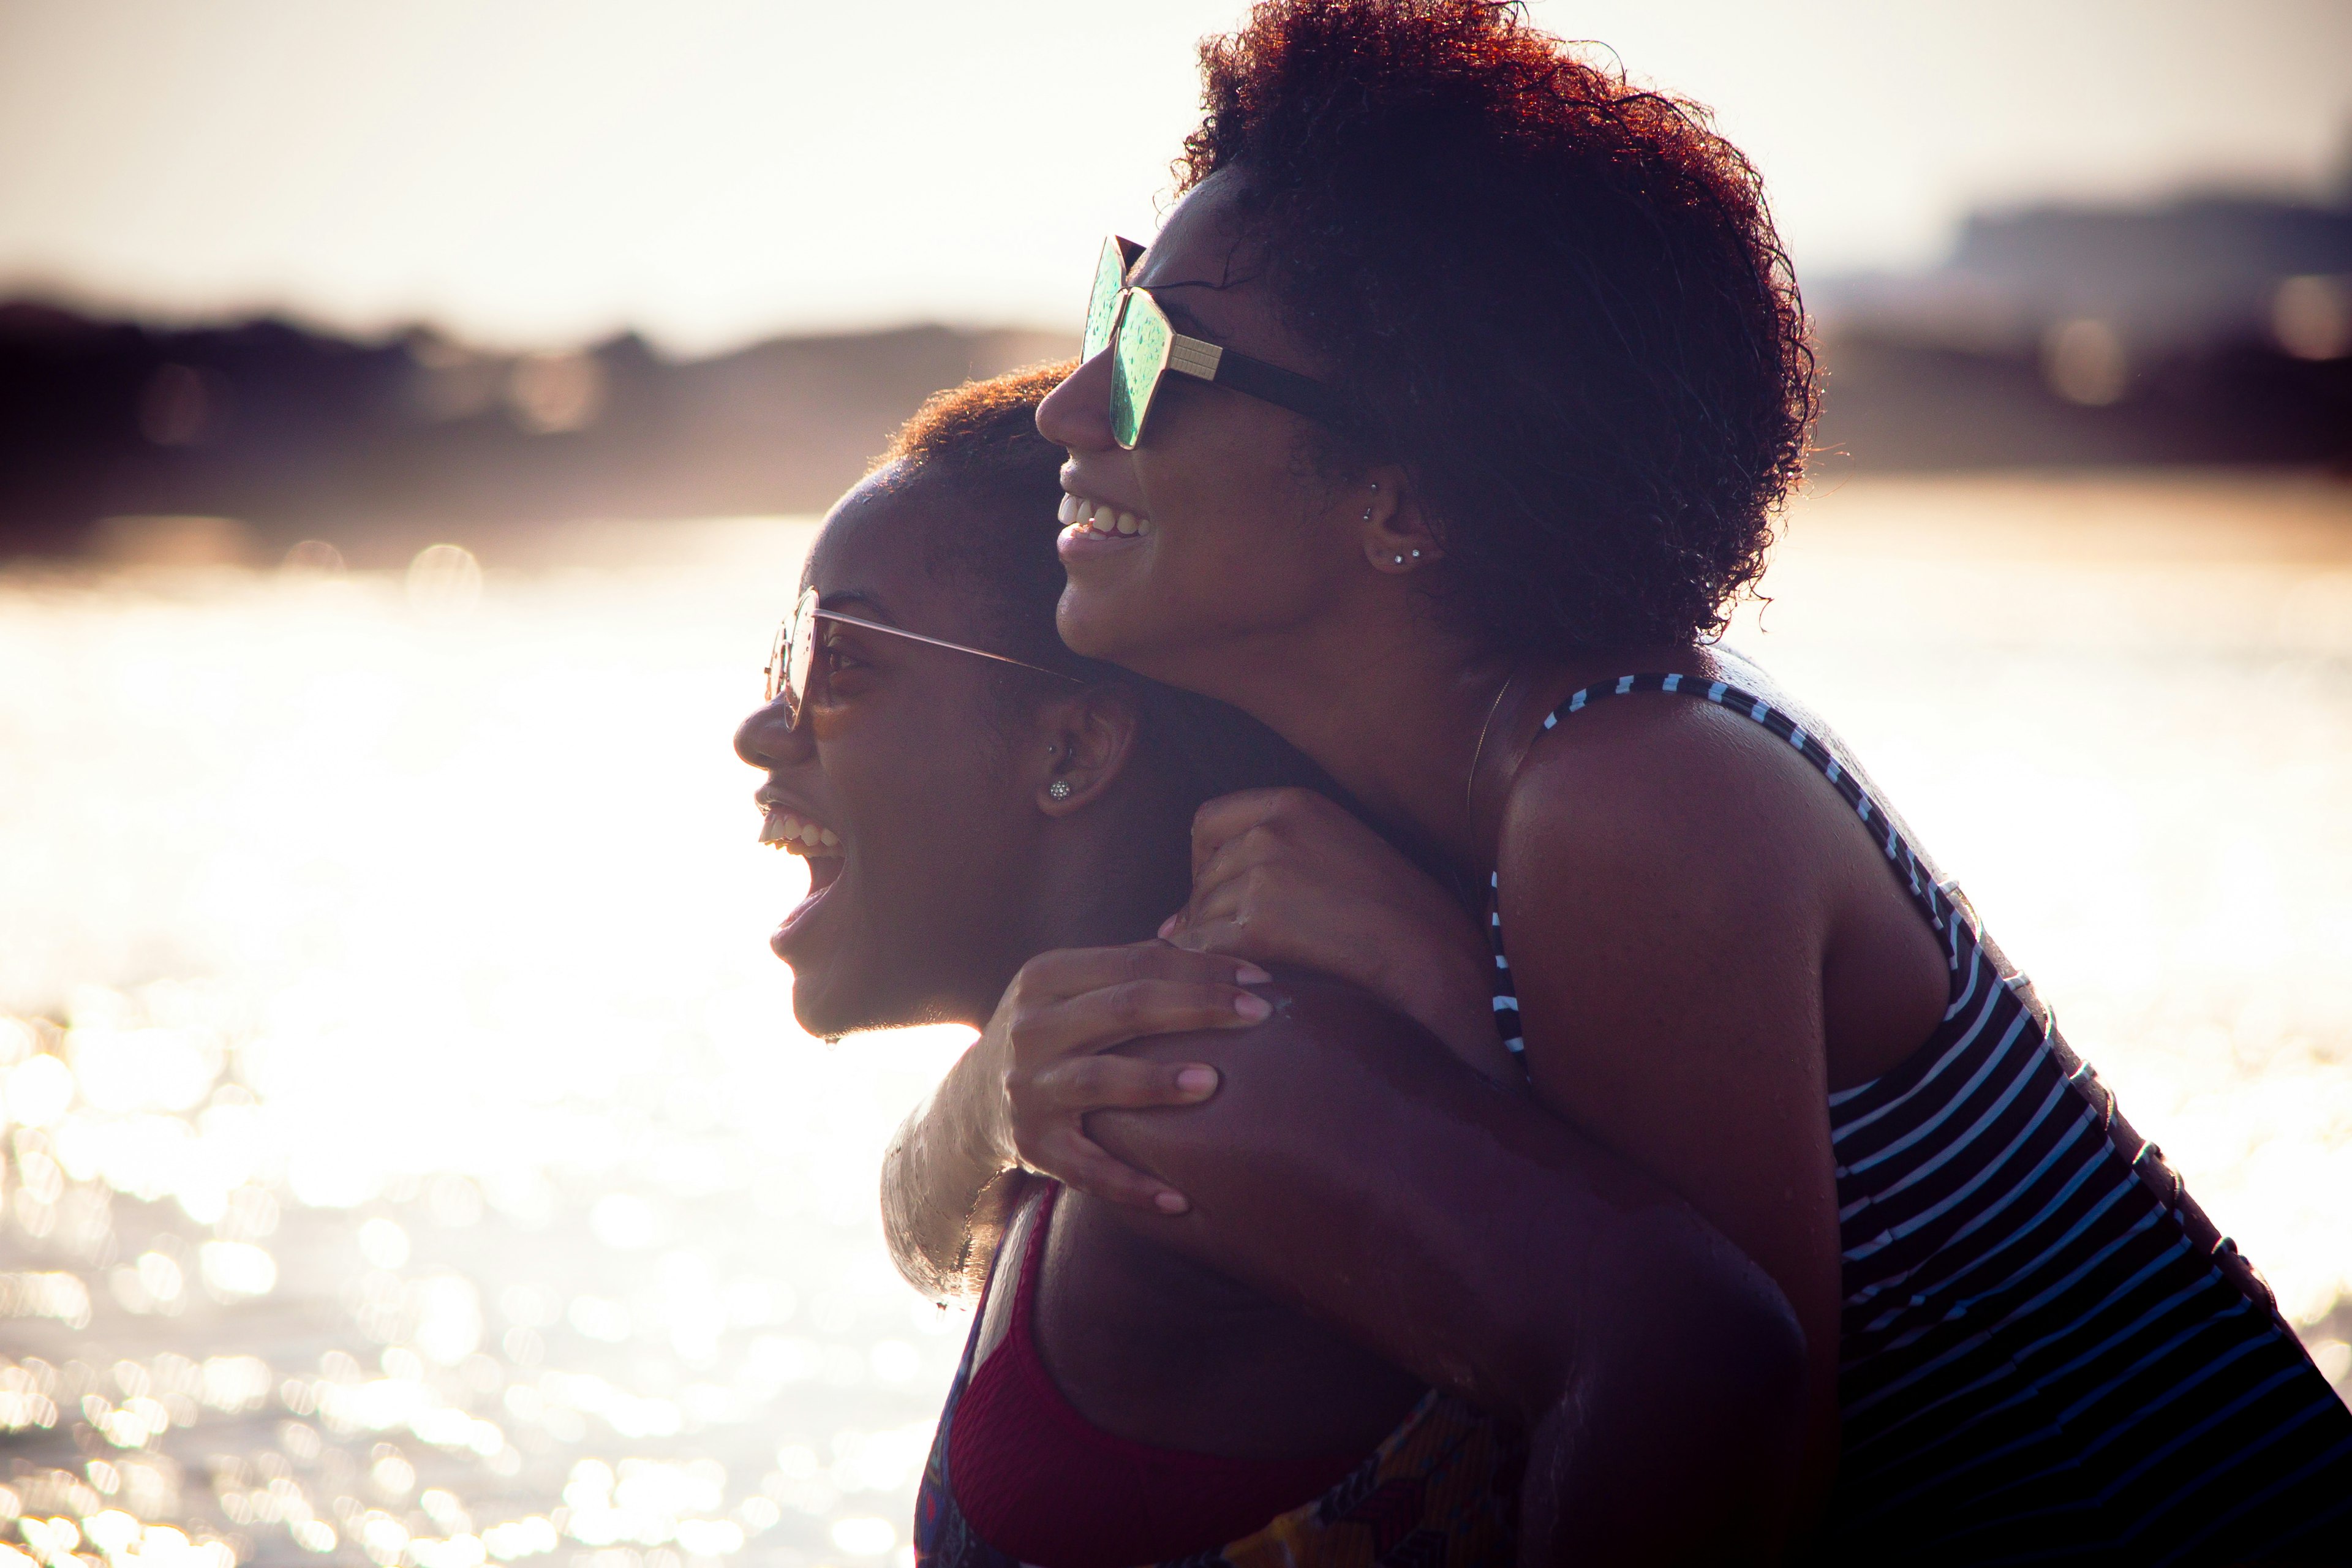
(1739, 1350)
(1679, 1432)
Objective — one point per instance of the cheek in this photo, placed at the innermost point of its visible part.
(1241, 543)
(921, 816)
(1222, 482)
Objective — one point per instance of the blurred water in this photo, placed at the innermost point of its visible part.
(411, 1158)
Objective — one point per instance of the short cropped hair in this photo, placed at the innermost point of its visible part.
(977, 446)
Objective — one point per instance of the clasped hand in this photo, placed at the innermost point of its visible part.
(1279, 876)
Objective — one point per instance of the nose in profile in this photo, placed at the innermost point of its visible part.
(1076, 415)
(766, 739)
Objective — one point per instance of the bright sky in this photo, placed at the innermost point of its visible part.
(540, 171)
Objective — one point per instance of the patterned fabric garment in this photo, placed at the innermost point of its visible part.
(1442, 1491)
(2047, 1351)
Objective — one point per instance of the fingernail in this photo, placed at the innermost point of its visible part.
(1170, 1203)
(1197, 1081)
(1166, 926)
(1251, 975)
(1252, 1007)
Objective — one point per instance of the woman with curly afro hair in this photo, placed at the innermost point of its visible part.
(1439, 428)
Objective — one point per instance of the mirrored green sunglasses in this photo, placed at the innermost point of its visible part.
(1145, 348)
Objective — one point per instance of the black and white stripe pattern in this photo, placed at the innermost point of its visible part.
(2048, 1353)
(1507, 995)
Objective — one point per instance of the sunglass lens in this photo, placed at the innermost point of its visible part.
(1139, 357)
(777, 652)
(798, 652)
(1102, 305)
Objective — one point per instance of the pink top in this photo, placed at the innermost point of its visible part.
(1039, 1481)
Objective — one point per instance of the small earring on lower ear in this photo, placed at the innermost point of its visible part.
(1059, 789)
(1416, 555)
(1399, 560)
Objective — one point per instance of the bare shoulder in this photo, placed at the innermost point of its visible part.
(1665, 796)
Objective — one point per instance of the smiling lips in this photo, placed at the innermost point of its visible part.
(1100, 519)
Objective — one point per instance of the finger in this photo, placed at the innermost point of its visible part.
(1100, 1019)
(1259, 942)
(1229, 873)
(1198, 907)
(1227, 817)
(1079, 1162)
(1073, 971)
(1080, 1084)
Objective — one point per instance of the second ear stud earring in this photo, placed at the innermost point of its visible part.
(1059, 789)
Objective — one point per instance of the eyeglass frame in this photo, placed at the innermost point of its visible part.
(1195, 358)
(790, 659)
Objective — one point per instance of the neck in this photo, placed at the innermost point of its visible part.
(1386, 698)
(1086, 885)
(1394, 705)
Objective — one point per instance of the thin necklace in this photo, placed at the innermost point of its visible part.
(1470, 784)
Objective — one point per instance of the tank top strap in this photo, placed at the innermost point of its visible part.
(1507, 994)
(1936, 903)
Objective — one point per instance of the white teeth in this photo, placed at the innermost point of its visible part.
(1100, 518)
(784, 831)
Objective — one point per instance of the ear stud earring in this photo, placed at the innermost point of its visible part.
(1059, 789)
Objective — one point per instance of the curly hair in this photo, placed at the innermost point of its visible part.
(1556, 298)
(981, 441)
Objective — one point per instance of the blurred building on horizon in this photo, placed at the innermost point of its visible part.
(2209, 329)
(2206, 330)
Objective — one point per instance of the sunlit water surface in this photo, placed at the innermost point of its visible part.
(411, 1158)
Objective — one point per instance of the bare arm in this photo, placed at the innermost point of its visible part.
(947, 1191)
(1349, 1166)
(956, 1169)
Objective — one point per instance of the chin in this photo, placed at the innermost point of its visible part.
(1095, 622)
(829, 1002)
(828, 1009)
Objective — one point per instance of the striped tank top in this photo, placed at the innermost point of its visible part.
(2046, 1351)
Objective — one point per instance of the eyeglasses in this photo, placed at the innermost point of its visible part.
(1145, 347)
(794, 652)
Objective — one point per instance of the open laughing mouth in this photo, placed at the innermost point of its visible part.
(810, 840)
